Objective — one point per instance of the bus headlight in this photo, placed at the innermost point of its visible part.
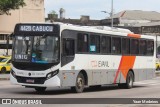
(51, 74)
(13, 73)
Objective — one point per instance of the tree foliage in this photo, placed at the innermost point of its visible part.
(7, 5)
(53, 12)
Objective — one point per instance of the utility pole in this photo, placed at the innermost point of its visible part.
(112, 13)
(7, 42)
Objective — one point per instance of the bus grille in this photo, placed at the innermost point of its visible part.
(35, 80)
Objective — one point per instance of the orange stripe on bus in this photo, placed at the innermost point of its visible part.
(126, 63)
(134, 35)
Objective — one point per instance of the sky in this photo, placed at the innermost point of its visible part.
(75, 8)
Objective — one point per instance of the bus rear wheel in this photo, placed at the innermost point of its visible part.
(129, 81)
(40, 89)
(80, 82)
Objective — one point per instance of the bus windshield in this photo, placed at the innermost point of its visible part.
(37, 49)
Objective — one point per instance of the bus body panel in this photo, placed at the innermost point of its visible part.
(53, 82)
(101, 72)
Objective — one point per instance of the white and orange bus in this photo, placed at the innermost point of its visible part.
(60, 55)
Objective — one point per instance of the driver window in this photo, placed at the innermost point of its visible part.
(68, 47)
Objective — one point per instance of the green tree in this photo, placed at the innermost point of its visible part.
(7, 5)
(53, 12)
(52, 15)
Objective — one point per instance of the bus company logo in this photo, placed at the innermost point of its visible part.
(6, 101)
(95, 63)
(29, 74)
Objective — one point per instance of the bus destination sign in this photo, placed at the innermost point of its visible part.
(36, 28)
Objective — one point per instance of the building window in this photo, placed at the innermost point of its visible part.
(105, 44)
(2, 37)
(116, 45)
(5, 46)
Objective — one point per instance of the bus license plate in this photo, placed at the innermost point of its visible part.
(30, 81)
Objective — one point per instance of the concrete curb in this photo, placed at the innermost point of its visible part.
(4, 77)
(157, 73)
(1, 79)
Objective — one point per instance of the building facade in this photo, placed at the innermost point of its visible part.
(32, 12)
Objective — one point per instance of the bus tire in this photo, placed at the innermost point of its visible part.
(129, 81)
(40, 89)
(80, 82)
(3, 70)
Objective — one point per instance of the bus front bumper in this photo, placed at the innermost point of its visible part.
(24, 81)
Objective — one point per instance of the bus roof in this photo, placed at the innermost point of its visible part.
(104, 28)
(95, 29)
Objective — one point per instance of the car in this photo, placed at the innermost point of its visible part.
(5, 62)
(157, 64)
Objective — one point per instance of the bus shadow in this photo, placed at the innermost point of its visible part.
(108, 88)
(66, 91)
(47, 92)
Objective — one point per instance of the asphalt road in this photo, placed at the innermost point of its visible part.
(143, 89)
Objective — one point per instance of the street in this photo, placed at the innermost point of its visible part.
(143, 89)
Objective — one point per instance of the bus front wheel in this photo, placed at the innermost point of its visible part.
(40, 89)
(80, 82)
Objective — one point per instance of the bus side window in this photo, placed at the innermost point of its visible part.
(125, 46)
(150, 47)
(82, 42)
(105, 44)
(116, 45)
(134, 46)
(142, 47)
(94, 46)
(68, 47)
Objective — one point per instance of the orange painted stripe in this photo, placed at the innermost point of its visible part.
(134, 35)
(126, 63)
(117, 73)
